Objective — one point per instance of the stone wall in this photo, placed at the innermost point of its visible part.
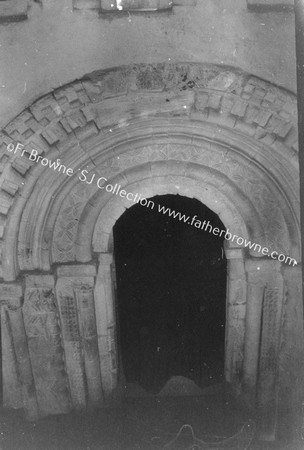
(58, 44)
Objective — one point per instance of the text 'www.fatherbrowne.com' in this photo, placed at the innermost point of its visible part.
(101, 183)
(206, 226)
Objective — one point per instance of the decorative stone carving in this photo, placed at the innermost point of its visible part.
(77, 317)
(67, 224)
(45, 347)
(258, 114)
(18, 383)
(106, 325)
(269, 359)
(257, 198)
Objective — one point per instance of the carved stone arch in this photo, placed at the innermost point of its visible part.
(254, 189)
(70, 121)
(226, 138)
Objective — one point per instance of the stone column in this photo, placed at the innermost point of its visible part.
(236, 309)
(18, 382)
(87, 323)
(106, 325)
(45, 346)
(255, 292)
(291, 389)
(268, 382)
(77, 316)
(262, 341)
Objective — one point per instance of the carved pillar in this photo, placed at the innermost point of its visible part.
(255, 292)
(106, 325)
(18, 382)
(291, 353)
(268, 382)
(77, 316)
(236, 309)
(45, 348)
(262, 341)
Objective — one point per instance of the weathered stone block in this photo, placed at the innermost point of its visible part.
(270, 5)
(262, 117)
(46, 353)
(78, 324)
(12, 389)
(13, 10)
(239, 108)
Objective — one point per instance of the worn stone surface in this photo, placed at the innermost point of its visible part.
(221, 32)
(12, 388)
(236, 313)
(78, 323)
(45, 347)
(13, 10)
(270, 5)
(268, 387)
(106, 325)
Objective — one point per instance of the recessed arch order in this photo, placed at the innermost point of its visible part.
(201, 163)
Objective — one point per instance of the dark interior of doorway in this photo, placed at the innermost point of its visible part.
(171, 294)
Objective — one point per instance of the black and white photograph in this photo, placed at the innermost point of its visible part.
(151, 213)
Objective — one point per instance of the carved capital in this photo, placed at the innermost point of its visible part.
(105, 259)
(11, 295)
(76, 271)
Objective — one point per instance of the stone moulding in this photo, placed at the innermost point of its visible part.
(93, 118)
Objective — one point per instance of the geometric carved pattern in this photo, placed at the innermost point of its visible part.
(45, 347)
(270, 330)
(69, 318)
(67, 223)
(66, 227)
(78, 324)
(101, 105)
(269, 359)
(71, 342)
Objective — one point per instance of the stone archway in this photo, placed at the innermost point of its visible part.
(227, 139)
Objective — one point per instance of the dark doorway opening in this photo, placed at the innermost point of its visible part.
(171, 293)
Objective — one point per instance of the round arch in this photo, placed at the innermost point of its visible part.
(226, 169)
